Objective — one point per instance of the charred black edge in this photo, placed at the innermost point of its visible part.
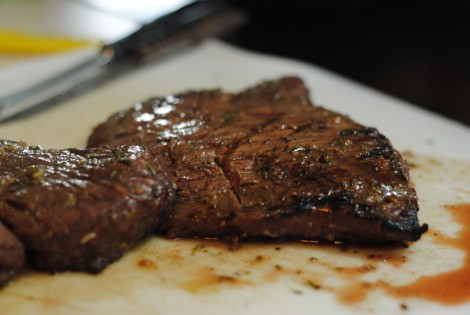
(408, 226)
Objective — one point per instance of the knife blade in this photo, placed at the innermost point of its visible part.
(181, 28)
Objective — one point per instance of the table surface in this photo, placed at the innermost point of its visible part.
(197, 277)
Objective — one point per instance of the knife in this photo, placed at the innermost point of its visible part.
(181, 28)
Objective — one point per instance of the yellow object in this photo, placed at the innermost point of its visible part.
(14, 42)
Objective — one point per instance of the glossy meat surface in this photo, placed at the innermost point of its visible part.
(266, 163)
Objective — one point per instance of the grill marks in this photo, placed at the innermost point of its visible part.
(267, 163)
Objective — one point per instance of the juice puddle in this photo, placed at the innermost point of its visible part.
(449, 288)
(211, 266)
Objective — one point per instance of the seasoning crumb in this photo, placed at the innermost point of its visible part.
(313, 285)
(72, 201)
(278, 267)
(197, 248)
(299, 292)
(403, 306)
(147, 263)
(88, 237)
(224, 278)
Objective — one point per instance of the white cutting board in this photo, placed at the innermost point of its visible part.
(205, 277)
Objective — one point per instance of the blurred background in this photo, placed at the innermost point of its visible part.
(418, 51)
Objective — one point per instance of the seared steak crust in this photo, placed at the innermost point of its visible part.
(267, 163)
(77, 209)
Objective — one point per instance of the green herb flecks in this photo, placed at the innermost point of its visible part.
(229, 116)
(35, 173)
(72, 201)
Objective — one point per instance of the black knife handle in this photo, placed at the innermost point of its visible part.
(154, 34)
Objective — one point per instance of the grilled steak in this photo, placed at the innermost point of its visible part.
(11, 254)
(76, 209)
(267, 163)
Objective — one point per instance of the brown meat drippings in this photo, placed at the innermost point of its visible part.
(451, 287)
(448, 288)
(261, 263)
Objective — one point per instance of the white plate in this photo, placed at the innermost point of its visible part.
(200, 277)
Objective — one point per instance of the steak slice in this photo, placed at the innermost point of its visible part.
(12, 254)
(267, 163)
(77, 209)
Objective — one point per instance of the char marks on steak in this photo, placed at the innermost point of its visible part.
(268, 163)
(76, 209)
